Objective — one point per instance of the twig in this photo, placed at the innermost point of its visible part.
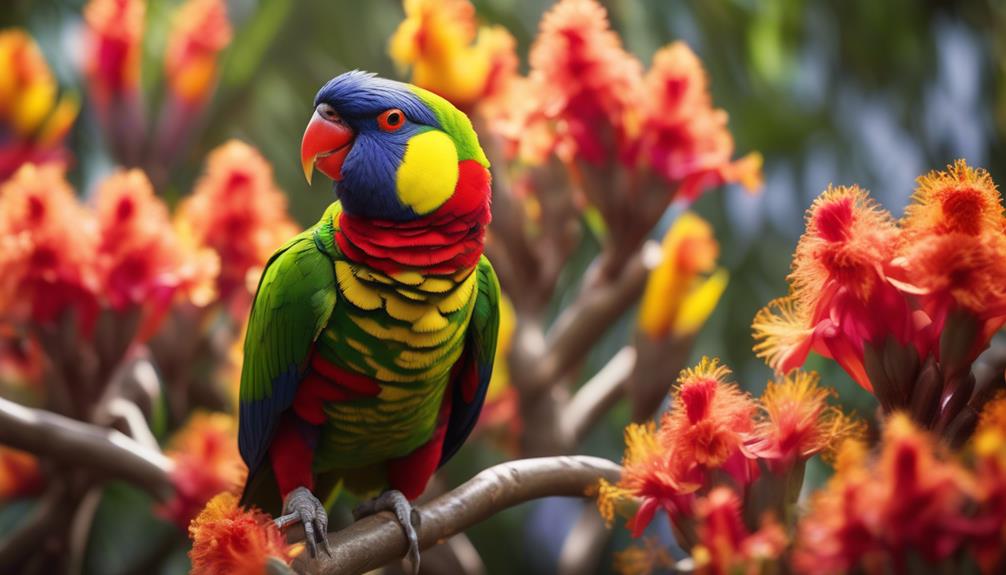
(584, 546)
(105, 451)
(377, 540)
(595, 397)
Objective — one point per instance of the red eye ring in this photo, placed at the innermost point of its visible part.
(391, 120)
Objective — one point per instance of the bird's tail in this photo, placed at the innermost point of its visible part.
(262, 491)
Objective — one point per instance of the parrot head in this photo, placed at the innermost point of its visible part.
(393, 149)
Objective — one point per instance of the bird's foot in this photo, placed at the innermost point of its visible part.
(301, 506)
(407, 516)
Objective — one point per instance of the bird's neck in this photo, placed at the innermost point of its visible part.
(445, 242)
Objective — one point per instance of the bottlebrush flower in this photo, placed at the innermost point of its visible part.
(841, 299)
(798, 423)
(677, 298)
(682, 136)
(587, 82)
(143, 261)
(115, 35)
(229, 539)
(199, 32)
(47, 260)
(953, 255)
(237, 210)
(32, 121)
(207, 462)
(705, 430)
(19, 474)
(725, 544)
(711, 418)
(907, 503)
(450, 54)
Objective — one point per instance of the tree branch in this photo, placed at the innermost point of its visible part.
(377, 540)
(597, 395)
(105, 451)
(586, 320)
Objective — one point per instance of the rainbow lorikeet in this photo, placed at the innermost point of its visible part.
(372, 335)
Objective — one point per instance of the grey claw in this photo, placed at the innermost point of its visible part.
(408, 517)
(301, 506)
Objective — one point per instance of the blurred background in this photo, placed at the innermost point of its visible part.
(830, 92)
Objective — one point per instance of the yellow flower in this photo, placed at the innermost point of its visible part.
(450, 54)
(30, 111)
(678, 298)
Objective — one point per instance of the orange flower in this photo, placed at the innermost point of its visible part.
(450, 55)
(207, 462)
(909, 502)
(682, 137)
(143, 261)
(952, 255)
(237, 210)
(115, 31)
(705, 430)
(725, 544)
(32, 122)
(798, 422)
(19, 474)
(643, 560)
(229, 539)
(587, 81)
(47, 257)
(199, 32)
(840, 298)
(711, 418)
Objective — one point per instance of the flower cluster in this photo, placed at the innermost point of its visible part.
(112, 65)
(904, 306)
(912, 500)
(591, 99)
(451, 55)
(33, 122)
(207, 463)
(19, 474)
(716, 436)
(237, 211)
(229, 539)
(62, 256)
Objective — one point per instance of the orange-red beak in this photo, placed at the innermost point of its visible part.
(325, 146)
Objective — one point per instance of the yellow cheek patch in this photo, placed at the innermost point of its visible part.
(429, 172)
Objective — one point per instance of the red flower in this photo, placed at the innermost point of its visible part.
(587, 82)
(47, 260)
(237, 210)
(681, 136)
(200, 31)
(840, 299)
(704, 431)
(115, 31)
(725, 544)
(207, 462)
(909, 502)
(228, 539)
(142, 260)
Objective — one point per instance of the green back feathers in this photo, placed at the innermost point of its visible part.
(457, 125)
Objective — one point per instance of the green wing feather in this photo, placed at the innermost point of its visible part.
(294, 302)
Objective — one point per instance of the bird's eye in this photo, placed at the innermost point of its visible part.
(328, 112)
(391, 120)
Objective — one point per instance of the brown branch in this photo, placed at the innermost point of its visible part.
(597, 395)
(105, 451)
(583, 323)
(378, 540)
